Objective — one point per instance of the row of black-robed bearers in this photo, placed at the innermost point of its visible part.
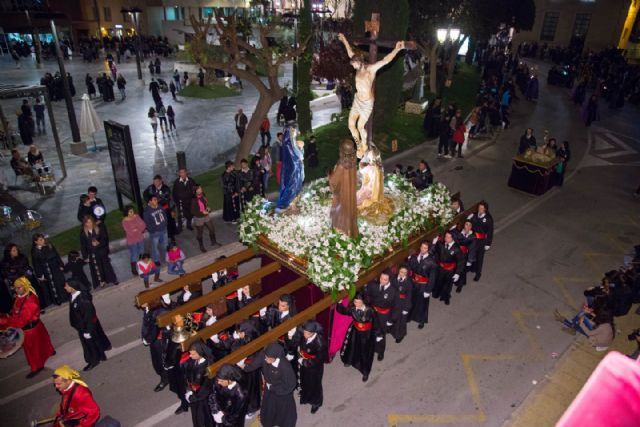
(266, 381)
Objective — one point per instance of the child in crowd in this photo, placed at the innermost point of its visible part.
(75, 266)
(171, 115)
(146, 267)
(175, 259)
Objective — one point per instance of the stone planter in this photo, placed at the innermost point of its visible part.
(78, 148)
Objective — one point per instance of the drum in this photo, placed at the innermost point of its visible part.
(11, 340)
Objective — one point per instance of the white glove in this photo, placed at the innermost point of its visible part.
(144, 342)
(468, 264)
(405, 312)
(470, 216)
(217, 417)
(300, 359)
(291, 332)
(435, 240)
(236, 336)
(214, 277)
(289, 357)
(240, 294)
(215, 338)
(263, 311)
(487, 247)
(453, 227)
(456, 277)
(389, 324)
(378, 339)
(187, 395)
(186, 296)
(426, 294)
(166, 298)
(241, 363)
(87, 336)
(211, 320)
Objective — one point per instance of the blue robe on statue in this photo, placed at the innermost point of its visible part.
(292, 175)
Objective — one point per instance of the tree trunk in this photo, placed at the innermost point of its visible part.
(303, 90)
(453, 57)
(433, 68)
(265, 101)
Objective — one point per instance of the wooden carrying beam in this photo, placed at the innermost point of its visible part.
(166, 318)
(245, 312)
(371, 274)
(193, 277)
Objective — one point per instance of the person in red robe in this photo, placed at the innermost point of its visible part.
(77, 407)
(25, 314)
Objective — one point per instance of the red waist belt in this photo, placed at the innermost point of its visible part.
(306, 355)
(448, 266)
(464, 249)
(281, 339)
(195, 387)
(421, 280)
(233, 295)
(381, 310)
(362, 327)
(481, 235)
(402, 296)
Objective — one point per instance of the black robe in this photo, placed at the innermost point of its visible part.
(197, 381)
(424, 280)
(98, 256)
(15, 267)
(233, 402)
(278, 405)
(253, 380)
(468, 247)
(311, 359)
(358, 346)
(483, 227)
(83, 318)
(172, 355)
(157, 339)
(47, 264)
(451, 262)
(230, 208)
(403, 308)
(383, 302)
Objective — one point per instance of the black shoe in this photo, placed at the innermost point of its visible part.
(399, 340)
(447, 301)
(476, 278)
(365, 377)
(181, 409)
(346, 365)
(103, 358)
(160, 387)
(458, 289)
(380, 357)
(314, 408)
(89, 367)
(421, 326)
(34, 373)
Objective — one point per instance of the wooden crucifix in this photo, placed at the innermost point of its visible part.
(360, 124)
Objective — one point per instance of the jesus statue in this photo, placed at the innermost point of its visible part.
(364, 98)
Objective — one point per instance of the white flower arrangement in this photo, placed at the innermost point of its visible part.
(333, 259)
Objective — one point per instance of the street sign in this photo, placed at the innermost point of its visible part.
(123, 163)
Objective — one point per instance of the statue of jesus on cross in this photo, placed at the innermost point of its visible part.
(364, 97)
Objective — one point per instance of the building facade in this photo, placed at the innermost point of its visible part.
(592, 24)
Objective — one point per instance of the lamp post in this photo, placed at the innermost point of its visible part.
(444, 34)
(136, 42)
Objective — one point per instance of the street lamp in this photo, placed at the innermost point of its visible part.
(136, 42)
(442, 34)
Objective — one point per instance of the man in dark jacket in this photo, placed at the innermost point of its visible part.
(383, 298)
(83, 318)
(156, 222)
(229, 399)
(184, 188)
(482, 224)
(163, 192)
(424, 177)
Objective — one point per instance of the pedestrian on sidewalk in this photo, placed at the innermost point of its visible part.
(563, 154)
(39, 110)
(185, 79)
(134, 228)
(265, 163)
(172, 89)
(505, 100)
(443, 141)
(230, 211)
(114, 71)
(91, 88)
(13, 266)
(151, 67)
(264, 131)
(153, 120)
(458, 136)
(184, 189)
(175, 259)
(155, 220)
(147, 267)
(202, 218)
(201, 78)
(75, 266)
(15, 57)
(311, 152)
(121, 82)
(176, 78)
(171, 115)
(162, 116)
(157, 65)
(276, 155)
(84, 319)
(241, 121)
(94, 245)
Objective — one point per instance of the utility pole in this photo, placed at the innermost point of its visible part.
(73, 122)
(36, 39)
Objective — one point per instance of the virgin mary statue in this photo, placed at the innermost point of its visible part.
(292, 175)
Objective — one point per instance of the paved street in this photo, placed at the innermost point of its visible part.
(477, 359)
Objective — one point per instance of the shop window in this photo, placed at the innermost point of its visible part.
(581, 25)
(549, 26)
(107, 13)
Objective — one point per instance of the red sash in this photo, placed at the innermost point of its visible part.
(306, 355)
(381, 310)
(464, 249)
(362, 327)
(481, 236)
(402, 296)
(232, 295)
(195, 387)
(448, 266)
(421, 280)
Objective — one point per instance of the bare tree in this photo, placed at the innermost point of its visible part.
(237, 56)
